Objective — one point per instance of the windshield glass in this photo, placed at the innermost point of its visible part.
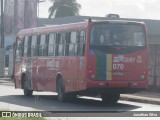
(117, 35)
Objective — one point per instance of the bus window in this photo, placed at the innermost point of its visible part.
(25, 49)
(34, 46)
(19, 49)
(138, 39)
(42, 46)
(117, 35)
(29, 47)
(61, 44)
(81, 43)
(73, 41)
(76, 45)
(51, 44)
(67, 44)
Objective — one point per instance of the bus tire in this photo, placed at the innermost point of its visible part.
(26, 91)
(110, 98)
(60, 90)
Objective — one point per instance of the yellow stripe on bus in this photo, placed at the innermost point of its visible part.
(109, 66)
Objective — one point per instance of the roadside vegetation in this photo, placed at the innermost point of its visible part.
(64, 8)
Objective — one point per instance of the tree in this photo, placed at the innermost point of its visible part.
(62, 8)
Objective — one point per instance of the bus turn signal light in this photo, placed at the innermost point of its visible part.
(90, 71)
(91, 74)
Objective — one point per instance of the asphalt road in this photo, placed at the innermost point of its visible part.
(13, 99)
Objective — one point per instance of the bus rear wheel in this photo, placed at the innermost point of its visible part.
(26, 91)
(60, 90)
(110, 98)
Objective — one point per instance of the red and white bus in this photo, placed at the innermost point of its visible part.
(93, 57)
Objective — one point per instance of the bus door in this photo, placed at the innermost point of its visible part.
(43, 75)
(17, 67)
(31, 60)
(26, 61)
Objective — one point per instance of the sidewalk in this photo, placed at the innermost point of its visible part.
(143, 97)
(148, 96)
(6, 81)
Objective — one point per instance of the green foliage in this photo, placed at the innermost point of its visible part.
(63, 8)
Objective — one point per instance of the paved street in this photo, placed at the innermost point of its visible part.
(13, 99)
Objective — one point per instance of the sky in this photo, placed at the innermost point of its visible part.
(141, 9)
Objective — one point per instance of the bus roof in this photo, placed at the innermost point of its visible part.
(53, 28)
(117, 21)
(70, 26)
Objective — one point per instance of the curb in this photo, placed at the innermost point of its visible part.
(7, 79)
(140, 99)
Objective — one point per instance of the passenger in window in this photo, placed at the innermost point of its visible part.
(82, 37)
(105, 38)
(116, 40)
(101, 39)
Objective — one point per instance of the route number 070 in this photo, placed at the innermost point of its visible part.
(118, 66)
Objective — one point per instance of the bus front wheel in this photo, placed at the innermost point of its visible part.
(26, 91)
(110, 98)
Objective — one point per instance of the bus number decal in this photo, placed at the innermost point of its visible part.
(118, 66)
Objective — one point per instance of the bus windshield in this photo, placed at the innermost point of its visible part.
(117, 35)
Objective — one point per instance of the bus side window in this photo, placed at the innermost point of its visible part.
(19, 48)
(77, 44)
(51, 44)
(29, 47)
(81, 43)
(57, 43)
(64, 40)
(73, 41)
(23, 46)
(42, 46)
(67, 43)
(34, 46)
(61, 43)
(25, 49)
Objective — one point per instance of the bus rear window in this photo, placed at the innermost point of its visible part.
(117, 35)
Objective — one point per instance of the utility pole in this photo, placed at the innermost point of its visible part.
(2, 50)
(2, 25)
